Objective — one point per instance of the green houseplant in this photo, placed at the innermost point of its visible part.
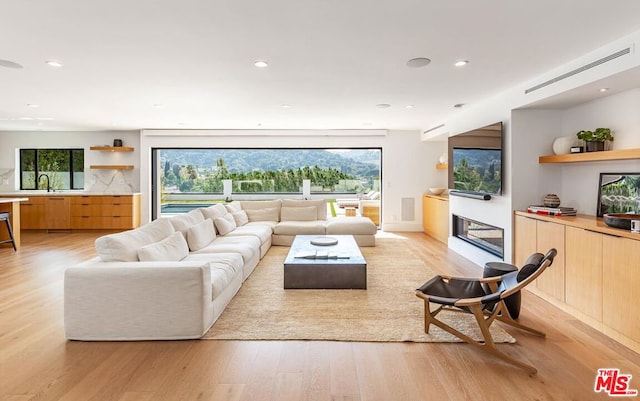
(595, 139)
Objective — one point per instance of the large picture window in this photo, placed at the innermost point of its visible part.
(63, 168)
(188, 178)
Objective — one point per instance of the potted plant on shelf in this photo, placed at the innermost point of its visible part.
(595, 140)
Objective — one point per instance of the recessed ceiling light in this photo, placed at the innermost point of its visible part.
(383, 105)
(33, 105)
(418, 62)
(261, 63)
(460, 63)
(604, 89)
(459, 105)
(286, 106)
(409, 106)
(9, 64)
(158, 105)
(53, 63)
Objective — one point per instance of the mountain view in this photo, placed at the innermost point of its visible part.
(269, 170)
(357, 162)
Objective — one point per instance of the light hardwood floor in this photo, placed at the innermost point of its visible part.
(37, 363)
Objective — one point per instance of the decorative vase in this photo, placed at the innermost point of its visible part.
(563, 144)
(551, 200)
(595, 146)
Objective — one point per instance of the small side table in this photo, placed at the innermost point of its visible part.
(493, 269)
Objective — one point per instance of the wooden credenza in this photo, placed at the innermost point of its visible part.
(595, 276)
(435, 216)
(82, 212)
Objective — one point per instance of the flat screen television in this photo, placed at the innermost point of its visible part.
(475, 161)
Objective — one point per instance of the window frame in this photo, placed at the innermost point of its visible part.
(71, 167)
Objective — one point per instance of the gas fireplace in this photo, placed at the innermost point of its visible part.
(484, 236)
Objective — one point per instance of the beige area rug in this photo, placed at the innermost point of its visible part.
(387, 311)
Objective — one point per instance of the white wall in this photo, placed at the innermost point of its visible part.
(621, 113)
(102, 181)
(408, 165)
(529, 133)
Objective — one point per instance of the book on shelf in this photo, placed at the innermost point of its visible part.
(552, 211)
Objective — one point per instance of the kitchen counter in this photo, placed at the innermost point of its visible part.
(11, 205)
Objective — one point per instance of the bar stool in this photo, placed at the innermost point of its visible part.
(4, 216)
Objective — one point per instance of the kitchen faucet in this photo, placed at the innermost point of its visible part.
(48, 182)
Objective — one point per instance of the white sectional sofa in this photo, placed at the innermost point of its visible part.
(172, 278)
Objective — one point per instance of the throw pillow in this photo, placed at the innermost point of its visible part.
(307, 213)
(266, 214)
(211, 212)
(240, 217)
(233, 207)
(201, 235)
(173, 248)
(184, 221)
(225, 224)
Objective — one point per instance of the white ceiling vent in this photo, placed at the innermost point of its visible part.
(433, 129)
(580, 69)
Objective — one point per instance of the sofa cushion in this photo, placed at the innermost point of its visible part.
(211, 212)
(201, 235)
(233, 207)
(261, 230)
(300, 227)
(351, 226)
(123, 247)
(247, 246)
(305, 213)
(172, 248)
(182, 222)
(240, 217)
(321, 206)
(261, 204)
(225, 224)
(224, 267)
(266, 214)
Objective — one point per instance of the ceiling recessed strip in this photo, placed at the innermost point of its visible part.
(585, 67)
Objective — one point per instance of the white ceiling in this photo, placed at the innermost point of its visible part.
(331, 60)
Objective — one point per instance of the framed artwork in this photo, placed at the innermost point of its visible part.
(619, 193)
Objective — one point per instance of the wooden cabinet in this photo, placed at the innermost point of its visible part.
(57, 212)
(87, 212)
(600, 269)
(105, 212)
(621, 286)
(32, 214)
(531, 236)
(435, 217)
(551, 235)
(583, 262)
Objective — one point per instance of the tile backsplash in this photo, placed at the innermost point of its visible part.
(7, 179)
(111, 182)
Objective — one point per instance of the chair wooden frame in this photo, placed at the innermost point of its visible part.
(484, 316)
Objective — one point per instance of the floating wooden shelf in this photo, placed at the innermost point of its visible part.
(623, 154)
(112, 148)
(442, 166)
(112, 167)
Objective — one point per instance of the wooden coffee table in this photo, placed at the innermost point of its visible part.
(348, 271)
